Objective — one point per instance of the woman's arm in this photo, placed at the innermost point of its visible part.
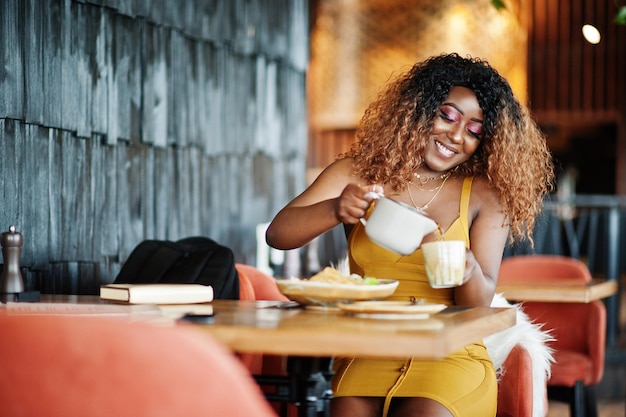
(488, 237)
(334, 197)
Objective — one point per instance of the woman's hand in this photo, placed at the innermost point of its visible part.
(332, 199)
(477, 289)
(471, 266)
(354, 201)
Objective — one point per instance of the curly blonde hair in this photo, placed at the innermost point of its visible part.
(513, 155)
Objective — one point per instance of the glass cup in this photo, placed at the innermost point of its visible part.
(444, 261)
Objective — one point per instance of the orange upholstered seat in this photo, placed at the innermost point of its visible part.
(257, 285)
(64, 366)
(579, 329)
(515, 388)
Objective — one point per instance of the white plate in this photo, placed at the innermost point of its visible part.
(328, 293)
(395, 308)
(388, 316)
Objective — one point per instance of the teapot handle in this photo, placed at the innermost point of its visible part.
(375, 196)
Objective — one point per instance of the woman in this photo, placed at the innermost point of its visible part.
(449, 138)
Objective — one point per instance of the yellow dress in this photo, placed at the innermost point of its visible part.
(464, 382)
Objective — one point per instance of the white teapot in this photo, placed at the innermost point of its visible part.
(396, 226)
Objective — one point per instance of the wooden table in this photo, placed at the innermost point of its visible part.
(311, 337)
(264, 327)
(560, 293)
(273, 327)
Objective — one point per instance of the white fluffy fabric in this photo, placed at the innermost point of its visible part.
(533, 338)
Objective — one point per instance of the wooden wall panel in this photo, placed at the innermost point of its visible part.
(571, 80)
(574, 84)
(125, 120)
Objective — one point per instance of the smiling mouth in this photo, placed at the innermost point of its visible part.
(444, 149)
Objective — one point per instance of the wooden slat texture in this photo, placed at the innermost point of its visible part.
(35, 200)
(52, 59)
(127, 76)
(34, 77)
(564, 67)
(571, 80)
(574, 84)
(11, 69)
(8, 173)
(105, 209)
(125, 120)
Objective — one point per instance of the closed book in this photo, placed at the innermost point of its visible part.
(157, 293)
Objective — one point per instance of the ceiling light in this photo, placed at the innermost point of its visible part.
(591, 34)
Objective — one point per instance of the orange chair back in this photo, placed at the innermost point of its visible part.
(101, 367)
(555, 269)
(264, 285)
(515, 388)
(579, 329)
(246, 289)
(256, 285)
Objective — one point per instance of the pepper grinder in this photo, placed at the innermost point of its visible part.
(11, 280)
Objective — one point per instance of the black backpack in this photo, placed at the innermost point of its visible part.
(193, 260)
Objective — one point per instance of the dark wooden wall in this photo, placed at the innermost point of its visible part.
(568, 77)
(575, 89)
(125, 120)
(574, 85)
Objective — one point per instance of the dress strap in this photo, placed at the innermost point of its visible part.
(464, 207)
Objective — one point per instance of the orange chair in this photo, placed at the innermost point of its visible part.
(252, 361)
(246, 289)
(68, 366)
(257, 285)
(579, 329)
(264, 286)
(515, 388)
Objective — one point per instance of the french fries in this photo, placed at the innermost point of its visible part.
(329, 274)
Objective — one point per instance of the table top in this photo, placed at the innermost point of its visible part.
(269, 327)
(249, 326)
(563, 292)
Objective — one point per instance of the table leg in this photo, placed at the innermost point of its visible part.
(307, 385)
(312, 385)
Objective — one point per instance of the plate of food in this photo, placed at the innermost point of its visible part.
(330, 287)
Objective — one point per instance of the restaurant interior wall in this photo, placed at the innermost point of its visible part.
(576, 90)
(125, 120)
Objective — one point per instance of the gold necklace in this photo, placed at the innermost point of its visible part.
(422, 181)
(438, 189)
(420, 187)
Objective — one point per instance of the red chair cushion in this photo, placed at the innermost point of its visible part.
(543, 269)
(515, 389)
(102, 367)
(570, 367)
(580, 330)
(265, 287)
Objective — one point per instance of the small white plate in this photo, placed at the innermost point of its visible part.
(394, 308)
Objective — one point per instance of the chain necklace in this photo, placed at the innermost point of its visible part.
(436, 189)
(422, 181)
